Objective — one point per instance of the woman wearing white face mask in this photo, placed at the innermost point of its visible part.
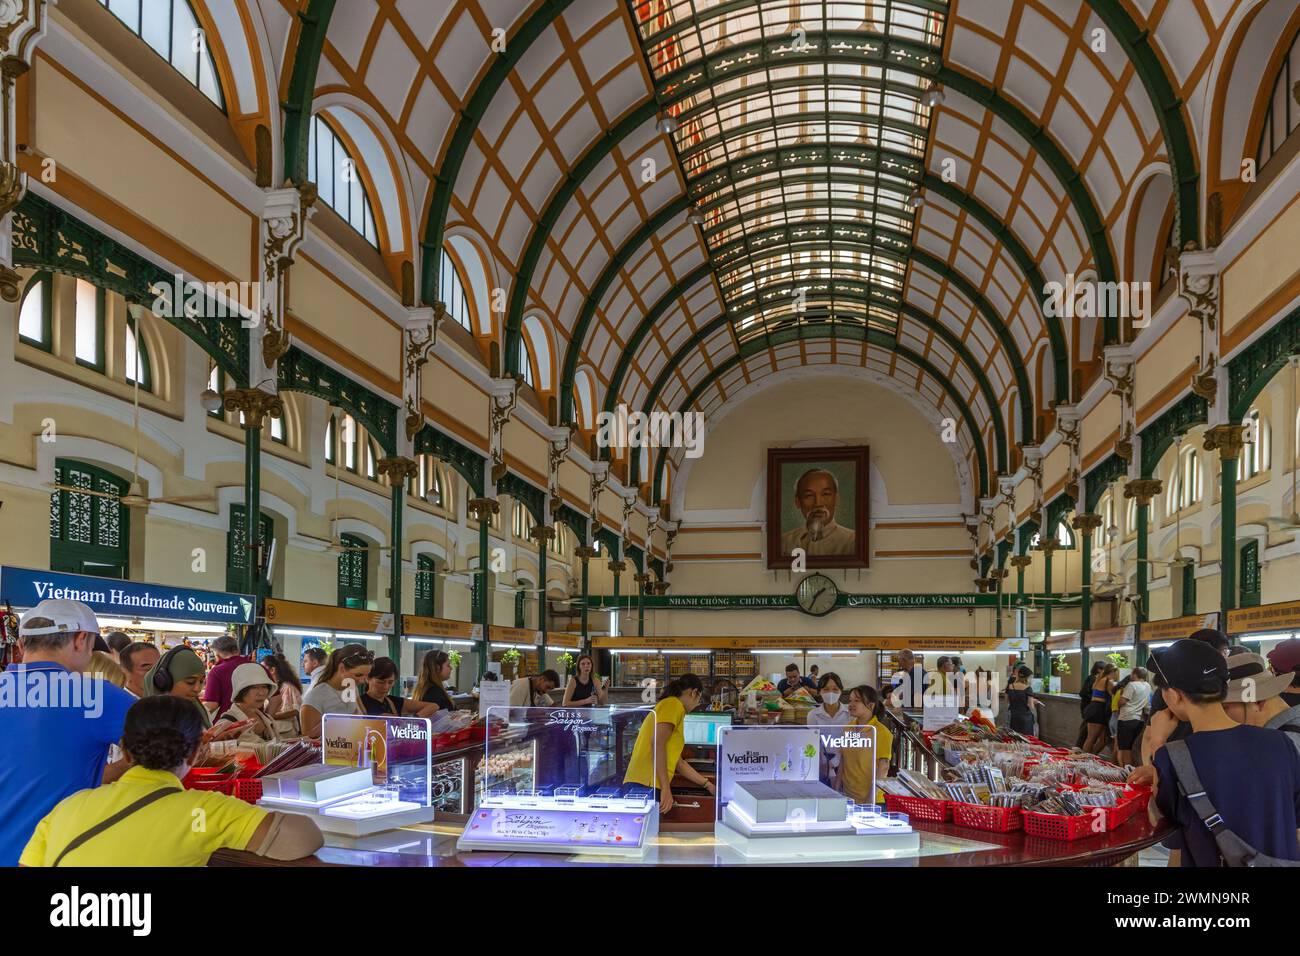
(831, 713)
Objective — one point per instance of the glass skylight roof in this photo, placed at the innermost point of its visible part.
(801, 142)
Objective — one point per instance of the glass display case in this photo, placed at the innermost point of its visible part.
(564, 781)
(376, 773)
(771, 804)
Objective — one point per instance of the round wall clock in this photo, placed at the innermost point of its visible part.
(816, 595)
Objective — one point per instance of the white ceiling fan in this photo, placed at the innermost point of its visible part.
(135, 496)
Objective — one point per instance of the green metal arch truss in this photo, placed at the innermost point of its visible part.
(315, 18)
(1159, 435)
(526, 493)
(815, 157)
(297, 371)
(827, 331)
(577, 522)
(1169, 110)
(466, 462)
(444, 180)
(953, 342)
(1254, 367)
(920, 256)
(1099, 479)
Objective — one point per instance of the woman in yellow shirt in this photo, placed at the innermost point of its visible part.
(657, 753)
(146, 819)
(865, 710)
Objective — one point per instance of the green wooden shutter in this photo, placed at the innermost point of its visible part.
(89, 534)
(236, 553)
(352, 573)
(424, 586)
(1189, 589)
(1249, 570)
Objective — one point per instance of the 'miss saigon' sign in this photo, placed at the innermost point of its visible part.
(25, 587)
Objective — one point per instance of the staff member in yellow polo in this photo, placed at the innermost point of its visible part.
(866, 708)
(146, 819)
(657, 753)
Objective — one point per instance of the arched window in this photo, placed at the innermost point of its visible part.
(277, 430)
(335, 172)
(352, 572)
(584, 399)
(89, 533)
(1063, 537)
(330, 441)
(1185, 482)
(522, 521)
(424, 585)
(371, 458)
(452, 291)
(89, 344)
(137, 358)
(1283, 114)
(170, 27)
(1256, 452)
(526, 363)
(349, 437)
(34, 316)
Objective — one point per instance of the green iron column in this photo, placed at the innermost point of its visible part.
(482, 510)
(398, 471)
(641, 579)
(585, 553)
(253, 405)
(1020, 562)
(1085, 524)
(1142, 490)
(1226, 440)
(542, 535)
(1044, 659)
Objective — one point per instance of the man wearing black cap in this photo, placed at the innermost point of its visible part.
(1251, 775)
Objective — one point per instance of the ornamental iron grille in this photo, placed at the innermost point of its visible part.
(89, 533)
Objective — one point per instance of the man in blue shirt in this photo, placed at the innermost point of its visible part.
(56, 723)
(792, 680)
(1250, 774)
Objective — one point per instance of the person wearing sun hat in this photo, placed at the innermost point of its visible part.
(1285, 659)
(250, 687)
(1255, 696)
(1249, 776)
(57, 743)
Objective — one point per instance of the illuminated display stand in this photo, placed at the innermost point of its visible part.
(771, 805)
(391, 787)
(554, 783)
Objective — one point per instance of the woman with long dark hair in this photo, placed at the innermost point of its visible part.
(585, 688)
(147, 819)
(287, 699)
(336, 688)
(1021, 701)
(1097, 714)
(657, 753)
(435, 670)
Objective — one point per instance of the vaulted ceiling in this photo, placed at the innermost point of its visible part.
(699, 193)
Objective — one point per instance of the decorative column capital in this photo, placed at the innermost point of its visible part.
(482, 509)
(542, 534)
(254, 403)
(1226, 440)
(641, 578)
(397, 469)
(1048, 545)
(998, 574)
(1021, 561)
(659, 588)
(617, 566)
(1086, 523)
(585, 552)
(1143, 489)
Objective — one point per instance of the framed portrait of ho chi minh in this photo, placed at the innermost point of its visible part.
(817, 500)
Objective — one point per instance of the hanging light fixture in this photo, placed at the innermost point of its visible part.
(915, 199)
(210, 400)
(932, 96)
(668, 124)
(696, 216)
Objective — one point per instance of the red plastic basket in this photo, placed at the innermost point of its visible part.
(248, 789)
(1053, 826)
(979, 817)
(202, 778)
(919, 808)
